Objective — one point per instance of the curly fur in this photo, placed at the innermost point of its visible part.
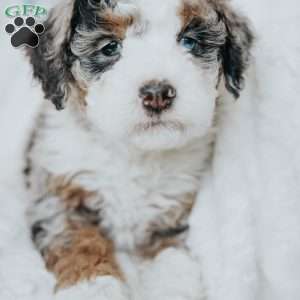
(101, 168)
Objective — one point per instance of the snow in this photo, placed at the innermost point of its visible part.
(246, 226)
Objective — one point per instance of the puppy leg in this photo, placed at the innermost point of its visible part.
(102, 288)
(71, 244)
(173, 274)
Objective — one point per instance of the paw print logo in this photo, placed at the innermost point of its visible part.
(25, 32)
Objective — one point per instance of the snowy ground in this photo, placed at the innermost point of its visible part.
(246, 227)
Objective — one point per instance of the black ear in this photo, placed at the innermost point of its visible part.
(235, 53)
(52, 60)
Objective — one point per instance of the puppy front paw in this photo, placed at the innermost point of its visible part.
(173, 274)
(102, 288)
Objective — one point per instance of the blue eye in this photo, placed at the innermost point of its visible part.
(188, 43)
(112, 49)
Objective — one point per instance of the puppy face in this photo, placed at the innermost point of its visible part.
(146, 72)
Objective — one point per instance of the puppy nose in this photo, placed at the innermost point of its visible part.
(157, 96)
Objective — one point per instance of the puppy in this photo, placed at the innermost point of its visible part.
(137, 84)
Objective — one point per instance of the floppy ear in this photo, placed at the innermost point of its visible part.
(52, 60)
(235, 53)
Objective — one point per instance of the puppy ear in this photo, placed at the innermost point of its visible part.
(51, 60)
(235, 53)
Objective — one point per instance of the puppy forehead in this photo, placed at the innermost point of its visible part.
(167, 13)
(159, 11)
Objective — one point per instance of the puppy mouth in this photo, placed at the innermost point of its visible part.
(158, 124)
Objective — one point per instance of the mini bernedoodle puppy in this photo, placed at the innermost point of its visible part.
(138, 85)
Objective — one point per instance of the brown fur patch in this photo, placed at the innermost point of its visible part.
(151, 252)
(87, 255)
(191, 9)
(72, 194)
(117, 24)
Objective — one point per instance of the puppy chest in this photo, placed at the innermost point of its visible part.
(141, 211)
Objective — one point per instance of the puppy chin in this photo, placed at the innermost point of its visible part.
(159, 140)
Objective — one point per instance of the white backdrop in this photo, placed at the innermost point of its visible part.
(251, 205)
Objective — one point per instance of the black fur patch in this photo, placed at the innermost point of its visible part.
(86, 13)
(171, 232)
(37, 231)
(85, 48)
(235, 53)
(226, 38)
(210, 35)
(53, 67)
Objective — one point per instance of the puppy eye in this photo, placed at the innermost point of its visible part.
(189, 43)
(112, 49)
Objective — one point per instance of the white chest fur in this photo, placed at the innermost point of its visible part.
(135, 189)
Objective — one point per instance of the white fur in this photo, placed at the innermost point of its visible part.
(179, 277)
(139, 173)
(103, 288)
(130, 181)
(113, 103)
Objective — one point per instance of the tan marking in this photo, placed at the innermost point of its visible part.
(191, 9)
(87, 255)
(72, 194)
(152, 251)
(117, 24)
(79, 93)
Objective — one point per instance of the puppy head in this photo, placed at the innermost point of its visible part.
(146, 72)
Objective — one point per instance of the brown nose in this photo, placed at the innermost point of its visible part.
(157, 96)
